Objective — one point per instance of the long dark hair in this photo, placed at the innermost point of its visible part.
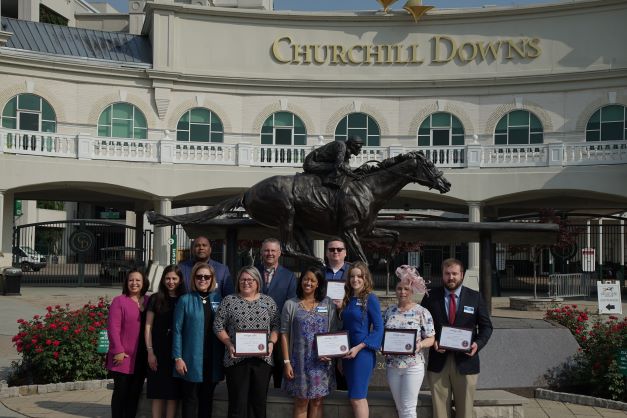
(320, 291)
(161, 297)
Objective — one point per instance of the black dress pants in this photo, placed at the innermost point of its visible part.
(197, 399)
(247, 385)
(127, 388)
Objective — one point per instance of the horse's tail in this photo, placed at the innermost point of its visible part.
(197, 217)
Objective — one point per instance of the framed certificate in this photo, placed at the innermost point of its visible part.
(399, 341)
(456, 339)
(335, 290)
(251, 343)
(332, 344)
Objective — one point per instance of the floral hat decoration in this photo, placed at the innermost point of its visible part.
(409, 275)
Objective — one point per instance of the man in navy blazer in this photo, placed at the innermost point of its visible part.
(280, 284)
(455, 373)
(201, 252)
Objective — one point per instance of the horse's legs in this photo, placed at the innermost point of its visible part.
(352, 240)
(386, 233)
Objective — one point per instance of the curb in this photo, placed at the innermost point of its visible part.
(27, 390)
(579, 399)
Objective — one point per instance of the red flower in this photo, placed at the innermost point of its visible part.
(36, 317)
(65, 328)
(49, 308)
(56, 343)
(52, 326)
(55, 355)
(48, 342)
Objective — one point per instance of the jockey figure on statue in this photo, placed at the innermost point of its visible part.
(331, 162)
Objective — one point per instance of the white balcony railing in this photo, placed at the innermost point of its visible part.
(168, 151)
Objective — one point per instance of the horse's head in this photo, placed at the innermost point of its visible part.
(427, 174)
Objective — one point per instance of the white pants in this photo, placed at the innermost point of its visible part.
(405, 385)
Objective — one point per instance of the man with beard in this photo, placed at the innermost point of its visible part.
(201, 253)
(454, 374)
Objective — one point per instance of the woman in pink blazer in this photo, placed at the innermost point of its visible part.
(127, 356)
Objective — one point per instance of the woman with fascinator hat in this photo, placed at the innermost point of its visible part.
(406, 372)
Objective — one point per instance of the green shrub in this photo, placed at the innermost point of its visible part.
(594, 369)
(61, 345)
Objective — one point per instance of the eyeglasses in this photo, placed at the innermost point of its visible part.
(204, 277)
(335, 249)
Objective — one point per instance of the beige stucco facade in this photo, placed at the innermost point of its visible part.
(561, 62)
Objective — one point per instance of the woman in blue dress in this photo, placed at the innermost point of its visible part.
(361, 317)
(307, 378)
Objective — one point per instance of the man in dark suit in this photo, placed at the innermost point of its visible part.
(201, 252)
(280, 284)
(455, 373)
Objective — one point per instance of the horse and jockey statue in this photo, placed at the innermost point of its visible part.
(329, 198)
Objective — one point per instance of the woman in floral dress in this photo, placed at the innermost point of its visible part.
(406, 372)
(308, 378)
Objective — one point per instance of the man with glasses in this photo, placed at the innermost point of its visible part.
(280, 284)
(201, 253)
(336, 270)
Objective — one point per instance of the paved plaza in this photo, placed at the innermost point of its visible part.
(95, 403)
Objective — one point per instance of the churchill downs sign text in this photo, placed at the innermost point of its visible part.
(443, 49)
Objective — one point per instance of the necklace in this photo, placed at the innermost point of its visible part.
(311, 306)
(204, 299)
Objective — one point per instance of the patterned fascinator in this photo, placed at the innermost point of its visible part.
(409, 275)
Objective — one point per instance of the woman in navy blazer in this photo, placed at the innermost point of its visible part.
(196, 350)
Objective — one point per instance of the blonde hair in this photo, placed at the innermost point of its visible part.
(200, 266)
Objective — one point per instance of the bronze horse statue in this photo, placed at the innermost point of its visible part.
(295, 204)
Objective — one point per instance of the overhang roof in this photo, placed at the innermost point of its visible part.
(76, 42)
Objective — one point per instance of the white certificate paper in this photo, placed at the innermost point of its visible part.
(399, 341)
(458, 339)
(334, 344)
(335, 290)
(251, 343)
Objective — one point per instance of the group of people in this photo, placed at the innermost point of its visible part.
(183, 337)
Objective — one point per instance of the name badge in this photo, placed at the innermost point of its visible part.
(409, 315)
(215, 306)
(322, 309)
(469, 310)
(263, 305)
(358, 303)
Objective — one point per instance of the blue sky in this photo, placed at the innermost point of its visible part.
(122, 5)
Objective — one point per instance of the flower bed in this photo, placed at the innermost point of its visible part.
(60, 346)
(594, 370)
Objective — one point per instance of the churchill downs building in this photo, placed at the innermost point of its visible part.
(179, 104)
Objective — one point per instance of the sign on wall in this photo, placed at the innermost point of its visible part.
(588, 259)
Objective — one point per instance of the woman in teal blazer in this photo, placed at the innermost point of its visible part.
(197, 352)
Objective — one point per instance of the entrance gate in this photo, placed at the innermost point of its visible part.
(79, 252)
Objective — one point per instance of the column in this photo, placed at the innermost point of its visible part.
(600, 250)
(6, 228)
(472, 271)
(160, 244)
(318, 248)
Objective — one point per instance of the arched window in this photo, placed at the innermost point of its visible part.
(201, 125)
(283, 128)
(122, 120)
(519, 127)
(29, 112)
(440, 129)
(609, 123)
(359, 124)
